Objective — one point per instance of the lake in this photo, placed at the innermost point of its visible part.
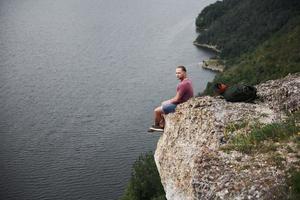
(79, 80)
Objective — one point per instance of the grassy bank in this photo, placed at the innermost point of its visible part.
(273, 140)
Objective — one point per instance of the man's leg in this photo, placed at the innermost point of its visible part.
(162, 122)
(158, 117)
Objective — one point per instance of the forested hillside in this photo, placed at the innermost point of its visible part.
(237, 26)
(259, 40)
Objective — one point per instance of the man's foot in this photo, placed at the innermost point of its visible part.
(156, 128)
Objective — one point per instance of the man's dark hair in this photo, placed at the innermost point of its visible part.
(182, 67)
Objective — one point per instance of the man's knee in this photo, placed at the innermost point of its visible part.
(158, 110)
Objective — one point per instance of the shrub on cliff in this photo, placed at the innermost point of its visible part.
(145, 183)
(255, 140)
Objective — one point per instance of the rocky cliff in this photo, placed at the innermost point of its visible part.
(193, 157)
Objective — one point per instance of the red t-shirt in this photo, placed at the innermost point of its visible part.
(185, 89)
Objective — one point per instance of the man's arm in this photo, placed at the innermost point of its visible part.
(174, 100)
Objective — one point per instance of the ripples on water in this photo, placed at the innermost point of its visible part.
(78, 83)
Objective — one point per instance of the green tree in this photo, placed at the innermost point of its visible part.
(145, 183)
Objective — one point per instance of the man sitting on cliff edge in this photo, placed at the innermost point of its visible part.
(184, 92)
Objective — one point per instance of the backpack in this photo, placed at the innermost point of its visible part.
(240, 93)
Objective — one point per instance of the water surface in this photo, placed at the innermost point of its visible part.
(78, 82)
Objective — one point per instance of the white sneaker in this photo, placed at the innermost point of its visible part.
(155, 128)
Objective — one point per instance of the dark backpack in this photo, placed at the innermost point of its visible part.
(240, 93)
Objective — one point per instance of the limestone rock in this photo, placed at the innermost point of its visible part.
(193, 166)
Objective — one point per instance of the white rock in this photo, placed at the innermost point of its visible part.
(188, 155)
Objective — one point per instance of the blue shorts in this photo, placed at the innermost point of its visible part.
(168, 108)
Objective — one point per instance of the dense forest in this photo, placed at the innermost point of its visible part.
(237, 26)
(259, 40)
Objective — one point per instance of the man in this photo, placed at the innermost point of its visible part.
(184, 93)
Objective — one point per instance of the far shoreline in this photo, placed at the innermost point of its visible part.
(213, 63)
(207, 46)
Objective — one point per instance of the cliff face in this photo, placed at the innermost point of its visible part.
(191, 159)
